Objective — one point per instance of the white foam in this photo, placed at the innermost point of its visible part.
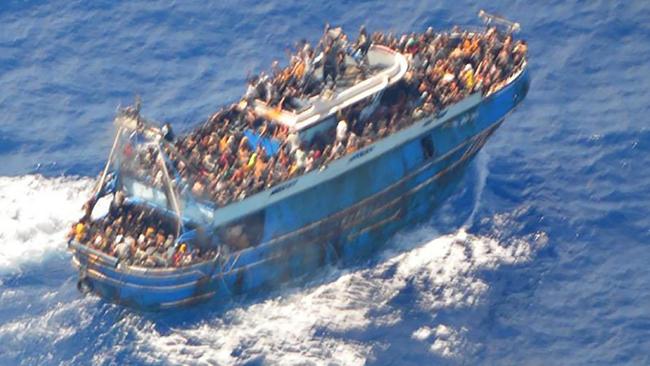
(422, 333)
(448, 341)
(35, 214)
(61, 321)
(280, 331)
(481, 163)
(305, 327)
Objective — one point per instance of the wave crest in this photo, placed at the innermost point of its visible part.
(35, 214)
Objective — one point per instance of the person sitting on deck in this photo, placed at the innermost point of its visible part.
(78, 231)
(167, 132)
(123, 249)
(89, 206)
(178, 256)
(341, 131)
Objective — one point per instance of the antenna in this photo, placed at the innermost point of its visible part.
(137, 103)
(171, 189)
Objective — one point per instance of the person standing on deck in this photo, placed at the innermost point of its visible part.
(330, 64)
(363, 46)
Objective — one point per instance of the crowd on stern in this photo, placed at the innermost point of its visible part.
(218, 163)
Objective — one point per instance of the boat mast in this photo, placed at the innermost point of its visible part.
(129, 119)
(170, 189)
(100, 185)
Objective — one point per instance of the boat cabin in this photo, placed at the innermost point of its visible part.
(317, 114)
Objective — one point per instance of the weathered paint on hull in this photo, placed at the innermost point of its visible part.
(310, 229)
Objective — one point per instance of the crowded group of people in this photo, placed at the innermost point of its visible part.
(218, 163)
(285, 87)
(137, 235)
(446, 67)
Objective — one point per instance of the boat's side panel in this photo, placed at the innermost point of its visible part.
(333, 221)
(358, 229)
(357, 234)
(351, 162)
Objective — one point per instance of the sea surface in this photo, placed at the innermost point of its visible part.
(541, 256)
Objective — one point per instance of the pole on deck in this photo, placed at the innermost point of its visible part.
(109, 161)
(170, 188)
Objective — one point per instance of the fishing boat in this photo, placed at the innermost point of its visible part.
(340, 212)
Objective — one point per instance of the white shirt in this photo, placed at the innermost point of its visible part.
(122, 250)
(341, 130)
(294, 141)
(300, 158)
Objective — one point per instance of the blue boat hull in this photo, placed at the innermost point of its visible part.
(342, 219)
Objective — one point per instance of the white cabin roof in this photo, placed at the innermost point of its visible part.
(392, 66)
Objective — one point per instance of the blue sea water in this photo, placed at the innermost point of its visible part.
(540, 257)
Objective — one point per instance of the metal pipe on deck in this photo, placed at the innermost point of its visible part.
(170, 188)
(109, 161)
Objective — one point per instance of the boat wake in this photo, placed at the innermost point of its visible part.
(481, 167)
(35, 214)
(346, 317)
(338, 321)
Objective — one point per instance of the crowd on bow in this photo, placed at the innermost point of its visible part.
(137, 235)
(218, 163)
(446, 67)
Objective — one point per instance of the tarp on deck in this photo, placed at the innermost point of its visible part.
(272, 146)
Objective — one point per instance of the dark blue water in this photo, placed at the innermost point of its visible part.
(541, 256)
